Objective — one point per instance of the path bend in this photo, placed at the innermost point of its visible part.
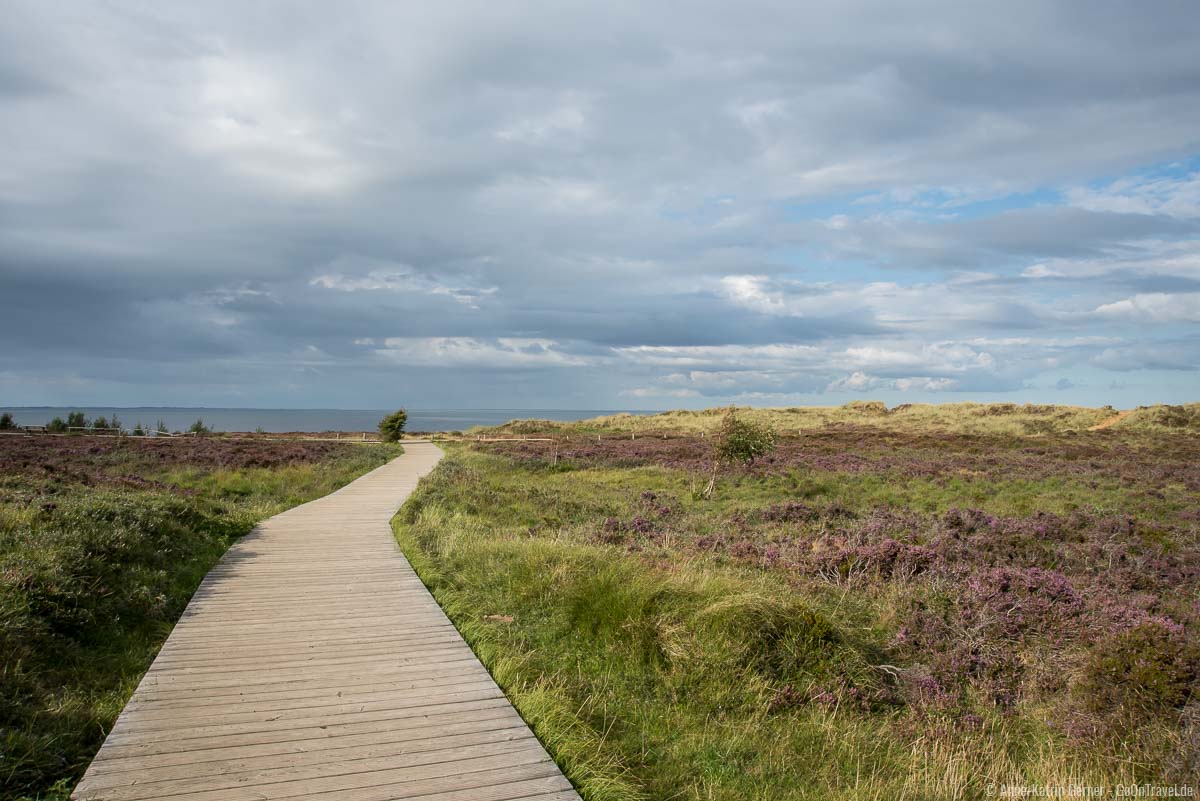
(312, 664)
(1111, 421)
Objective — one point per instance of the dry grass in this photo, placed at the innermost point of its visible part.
(965, 418)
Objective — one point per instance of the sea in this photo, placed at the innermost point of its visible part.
(282, 420)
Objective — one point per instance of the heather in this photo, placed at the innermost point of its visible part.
(863, 612)
(102, 542)
(91, 460)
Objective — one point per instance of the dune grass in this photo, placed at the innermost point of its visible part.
(1007, 419)
(99, 553)
(820, 633)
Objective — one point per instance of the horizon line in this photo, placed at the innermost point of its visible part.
(328, 408)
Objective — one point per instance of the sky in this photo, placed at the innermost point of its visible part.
(599, 205)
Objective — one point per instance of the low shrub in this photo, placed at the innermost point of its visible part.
(742, 441)
(1149, 669)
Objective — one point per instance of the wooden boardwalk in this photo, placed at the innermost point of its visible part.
(313, 664)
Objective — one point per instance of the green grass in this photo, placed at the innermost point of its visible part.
(92, 580)
(651, 671)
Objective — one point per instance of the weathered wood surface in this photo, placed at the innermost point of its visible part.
(313, 664)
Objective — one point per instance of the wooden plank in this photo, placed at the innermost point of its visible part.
(167, 706)
(339, 777)
(347, 771)
(498, 716)
(335, 709)
(196, 762)
(313, 664)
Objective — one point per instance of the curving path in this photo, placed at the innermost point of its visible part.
(313, 664)
(1111, 421)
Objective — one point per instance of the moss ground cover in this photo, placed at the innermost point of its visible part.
(102, 542)
(866, 613)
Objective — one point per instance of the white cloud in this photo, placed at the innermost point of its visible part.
(1156, 307)
(750, 292)
(243, 114)
(1041, 271)
(855, 382)
(1143, 257)
(952, 357)
(498, 353)
(926, 384)
(395, 278)
(782, 355)
(947, 307)
(750, 361)
(1175, 196)
(1042, 342)
(731, 380)
(657, 392)
(858, 382)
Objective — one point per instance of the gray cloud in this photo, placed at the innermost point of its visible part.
(245, 192)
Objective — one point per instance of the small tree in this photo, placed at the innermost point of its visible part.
(741, 441)
(738, 442)
(391, 428)
(161, 428)
(77, 420)
(6, 422)
(100, 423)
(198, 427)
(139, 430)
(56, 426)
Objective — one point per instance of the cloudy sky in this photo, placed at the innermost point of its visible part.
(602, 205)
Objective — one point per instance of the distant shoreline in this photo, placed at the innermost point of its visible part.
(278, 421)
(962, 416)
(11, 408)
